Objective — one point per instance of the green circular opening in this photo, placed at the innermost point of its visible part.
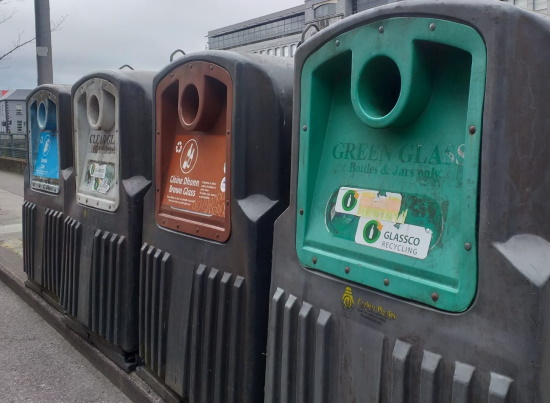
(379, 86)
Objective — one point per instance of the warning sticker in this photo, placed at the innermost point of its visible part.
(370, 203)
(404, 239)
(99, 177)
(98, 170)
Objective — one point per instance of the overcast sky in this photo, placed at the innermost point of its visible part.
(105, 34)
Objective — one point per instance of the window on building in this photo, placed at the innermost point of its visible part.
(18, 109)
(325, 10)
(277, 51)
(540, 5)
(521, 3)
(286, 51)
(19, 125)
(270, 51)
(272, 29)
(292, 50)
(262, 52)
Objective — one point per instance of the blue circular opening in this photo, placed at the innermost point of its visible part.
(41, 115)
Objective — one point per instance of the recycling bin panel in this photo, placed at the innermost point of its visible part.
(222, 152)
(102, 230)
(409, 265)
(50, 151)
(193, 170)
(391, 191)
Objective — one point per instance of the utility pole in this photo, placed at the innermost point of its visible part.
(43, 41)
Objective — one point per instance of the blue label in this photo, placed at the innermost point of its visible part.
(46, 164)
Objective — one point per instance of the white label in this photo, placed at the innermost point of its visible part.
(98, 170)
(104, 187)
(404, 239)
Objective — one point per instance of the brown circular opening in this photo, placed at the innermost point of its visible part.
(189, 104)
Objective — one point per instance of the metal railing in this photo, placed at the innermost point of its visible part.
(13, 146)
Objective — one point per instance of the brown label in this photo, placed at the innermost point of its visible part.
(197, 175)
(193, 150)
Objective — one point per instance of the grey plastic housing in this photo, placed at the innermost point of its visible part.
(203, 303)
(100, 265)
(44, 203)
(321, 351)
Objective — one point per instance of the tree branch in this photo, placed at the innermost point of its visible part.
(54, 26)
(16, 45)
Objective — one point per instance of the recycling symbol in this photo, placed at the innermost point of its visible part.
(179, 147)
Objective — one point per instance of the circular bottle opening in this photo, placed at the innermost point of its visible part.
(93, 110)
(41, 115)
(379, 86)
(189, 104)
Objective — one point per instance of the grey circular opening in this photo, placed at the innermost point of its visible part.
(41, 115)
(189, 104)
(379, 86)
(93, 110)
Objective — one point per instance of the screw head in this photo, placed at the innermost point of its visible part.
(381, 29)
(304, 128)
(301, 211)
(386, 282)
(432, 27)
(190, 66)
(228, 132)
(435, 296)
(211, 67)
(468, 246)
(171, 74)
(472, 129)
(314, 260)
(197, 230)
(347, 269)
(337, 43)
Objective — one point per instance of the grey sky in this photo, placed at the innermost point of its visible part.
(105, 34)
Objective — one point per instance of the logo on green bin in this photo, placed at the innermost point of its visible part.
(348, 302)
(349, 201)
(372, 231)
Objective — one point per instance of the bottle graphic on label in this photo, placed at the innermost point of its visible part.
(189, 157)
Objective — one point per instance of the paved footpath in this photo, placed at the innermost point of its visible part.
(36, 363)
(11, 199)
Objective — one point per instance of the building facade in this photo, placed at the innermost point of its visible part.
(13, 124)
(13, 112)
(279, 34)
